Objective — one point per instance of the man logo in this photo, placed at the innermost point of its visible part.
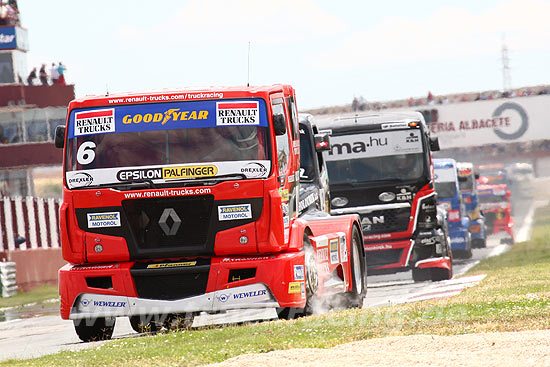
(163, 222)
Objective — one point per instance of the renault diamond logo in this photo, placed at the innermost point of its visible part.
(163, 222)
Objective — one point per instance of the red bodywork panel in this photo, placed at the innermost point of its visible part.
(272, 255)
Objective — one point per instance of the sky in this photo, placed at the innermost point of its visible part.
(329, 51)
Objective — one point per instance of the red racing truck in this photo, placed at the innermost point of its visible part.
(176, 203)
(380, 167)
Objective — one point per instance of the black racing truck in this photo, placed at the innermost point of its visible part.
(380, 167)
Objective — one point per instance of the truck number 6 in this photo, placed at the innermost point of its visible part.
(86, 153)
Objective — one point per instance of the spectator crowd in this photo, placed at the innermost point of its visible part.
(56, 75)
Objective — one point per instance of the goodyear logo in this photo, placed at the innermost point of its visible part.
(234, 212)
(189, 171)
(171, 265)
(173, 114)
(100, 220)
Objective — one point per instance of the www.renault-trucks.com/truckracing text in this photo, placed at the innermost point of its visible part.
(380, 167)
(179, 203)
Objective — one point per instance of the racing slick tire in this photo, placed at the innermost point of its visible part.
(438, 274)
(90, 330)
(421, 275)
(356, 296)
(312, 284)
(145, 324)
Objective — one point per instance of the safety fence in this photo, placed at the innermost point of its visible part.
(29, 223)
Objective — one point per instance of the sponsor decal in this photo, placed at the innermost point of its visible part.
(290, 178)
(286, 221)
(223, 297)
(395, 125)
(171, 265)
(334, 251)
(94, 122)
(139, 174)
(322, 255)
(385, 143)
(85, 302)
(235, 212)
(237, 259)
(95, 267)
(254, 169)
(189, 171)
(237, 113)
(101, 220)
(428, 207)
(251, 294)
(378, 247)
(299, 272)
(343, 249)
(377, 236)
(295, 287)
(79, 179)
(303, 290)
(172, 114)
(412, 138)
(307, 201)
(404, 195)
(284, 194)
(109, 304)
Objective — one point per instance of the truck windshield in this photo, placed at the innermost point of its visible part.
(163, 142)
(466, 183)
(445, 189)
(389, 155)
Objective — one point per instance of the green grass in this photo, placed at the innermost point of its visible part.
(37, 295)
(514, 296)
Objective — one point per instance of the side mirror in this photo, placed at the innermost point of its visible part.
(59, 136)
(434, 144)
(279, 124)
(322, 142)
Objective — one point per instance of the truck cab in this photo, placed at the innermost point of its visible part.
(449, 197)
(380, 167)
(188, 201)
(496, 206)
(468, 188)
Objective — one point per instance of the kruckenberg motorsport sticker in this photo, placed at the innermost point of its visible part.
(159, 174)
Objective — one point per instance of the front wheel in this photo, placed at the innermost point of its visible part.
(358, 264)
(91, 330)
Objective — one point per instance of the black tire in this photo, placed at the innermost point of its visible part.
(421, 275)
(312, 284)
(356, 296)
(90, 330)
(438, 274)
(145, 324)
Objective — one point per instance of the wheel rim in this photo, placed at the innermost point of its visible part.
(311, 271)
(357, 278)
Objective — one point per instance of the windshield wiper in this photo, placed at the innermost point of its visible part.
(369, 182)
(195, 181)
(126, 185)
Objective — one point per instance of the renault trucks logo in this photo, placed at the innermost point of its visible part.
(237, 113)
(94, 122)
(172, 229)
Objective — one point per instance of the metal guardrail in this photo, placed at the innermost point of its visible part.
(8, 285)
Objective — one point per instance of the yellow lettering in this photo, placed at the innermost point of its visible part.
(193, 115)
(184, 115)
(157, 117)
(147, 118)
(137, 119)
(126, 119)
(176, 115)
(203, 115)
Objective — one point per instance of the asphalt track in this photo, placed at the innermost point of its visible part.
(36, 336)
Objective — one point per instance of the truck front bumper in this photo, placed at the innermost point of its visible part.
(175, 286)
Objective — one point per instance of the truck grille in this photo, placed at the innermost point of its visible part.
(169, 225)
(385, 221)
(169, 280)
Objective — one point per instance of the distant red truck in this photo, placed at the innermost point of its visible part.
(496, 207)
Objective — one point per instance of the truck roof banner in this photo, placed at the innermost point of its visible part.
(167, 116)
(370, 145)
